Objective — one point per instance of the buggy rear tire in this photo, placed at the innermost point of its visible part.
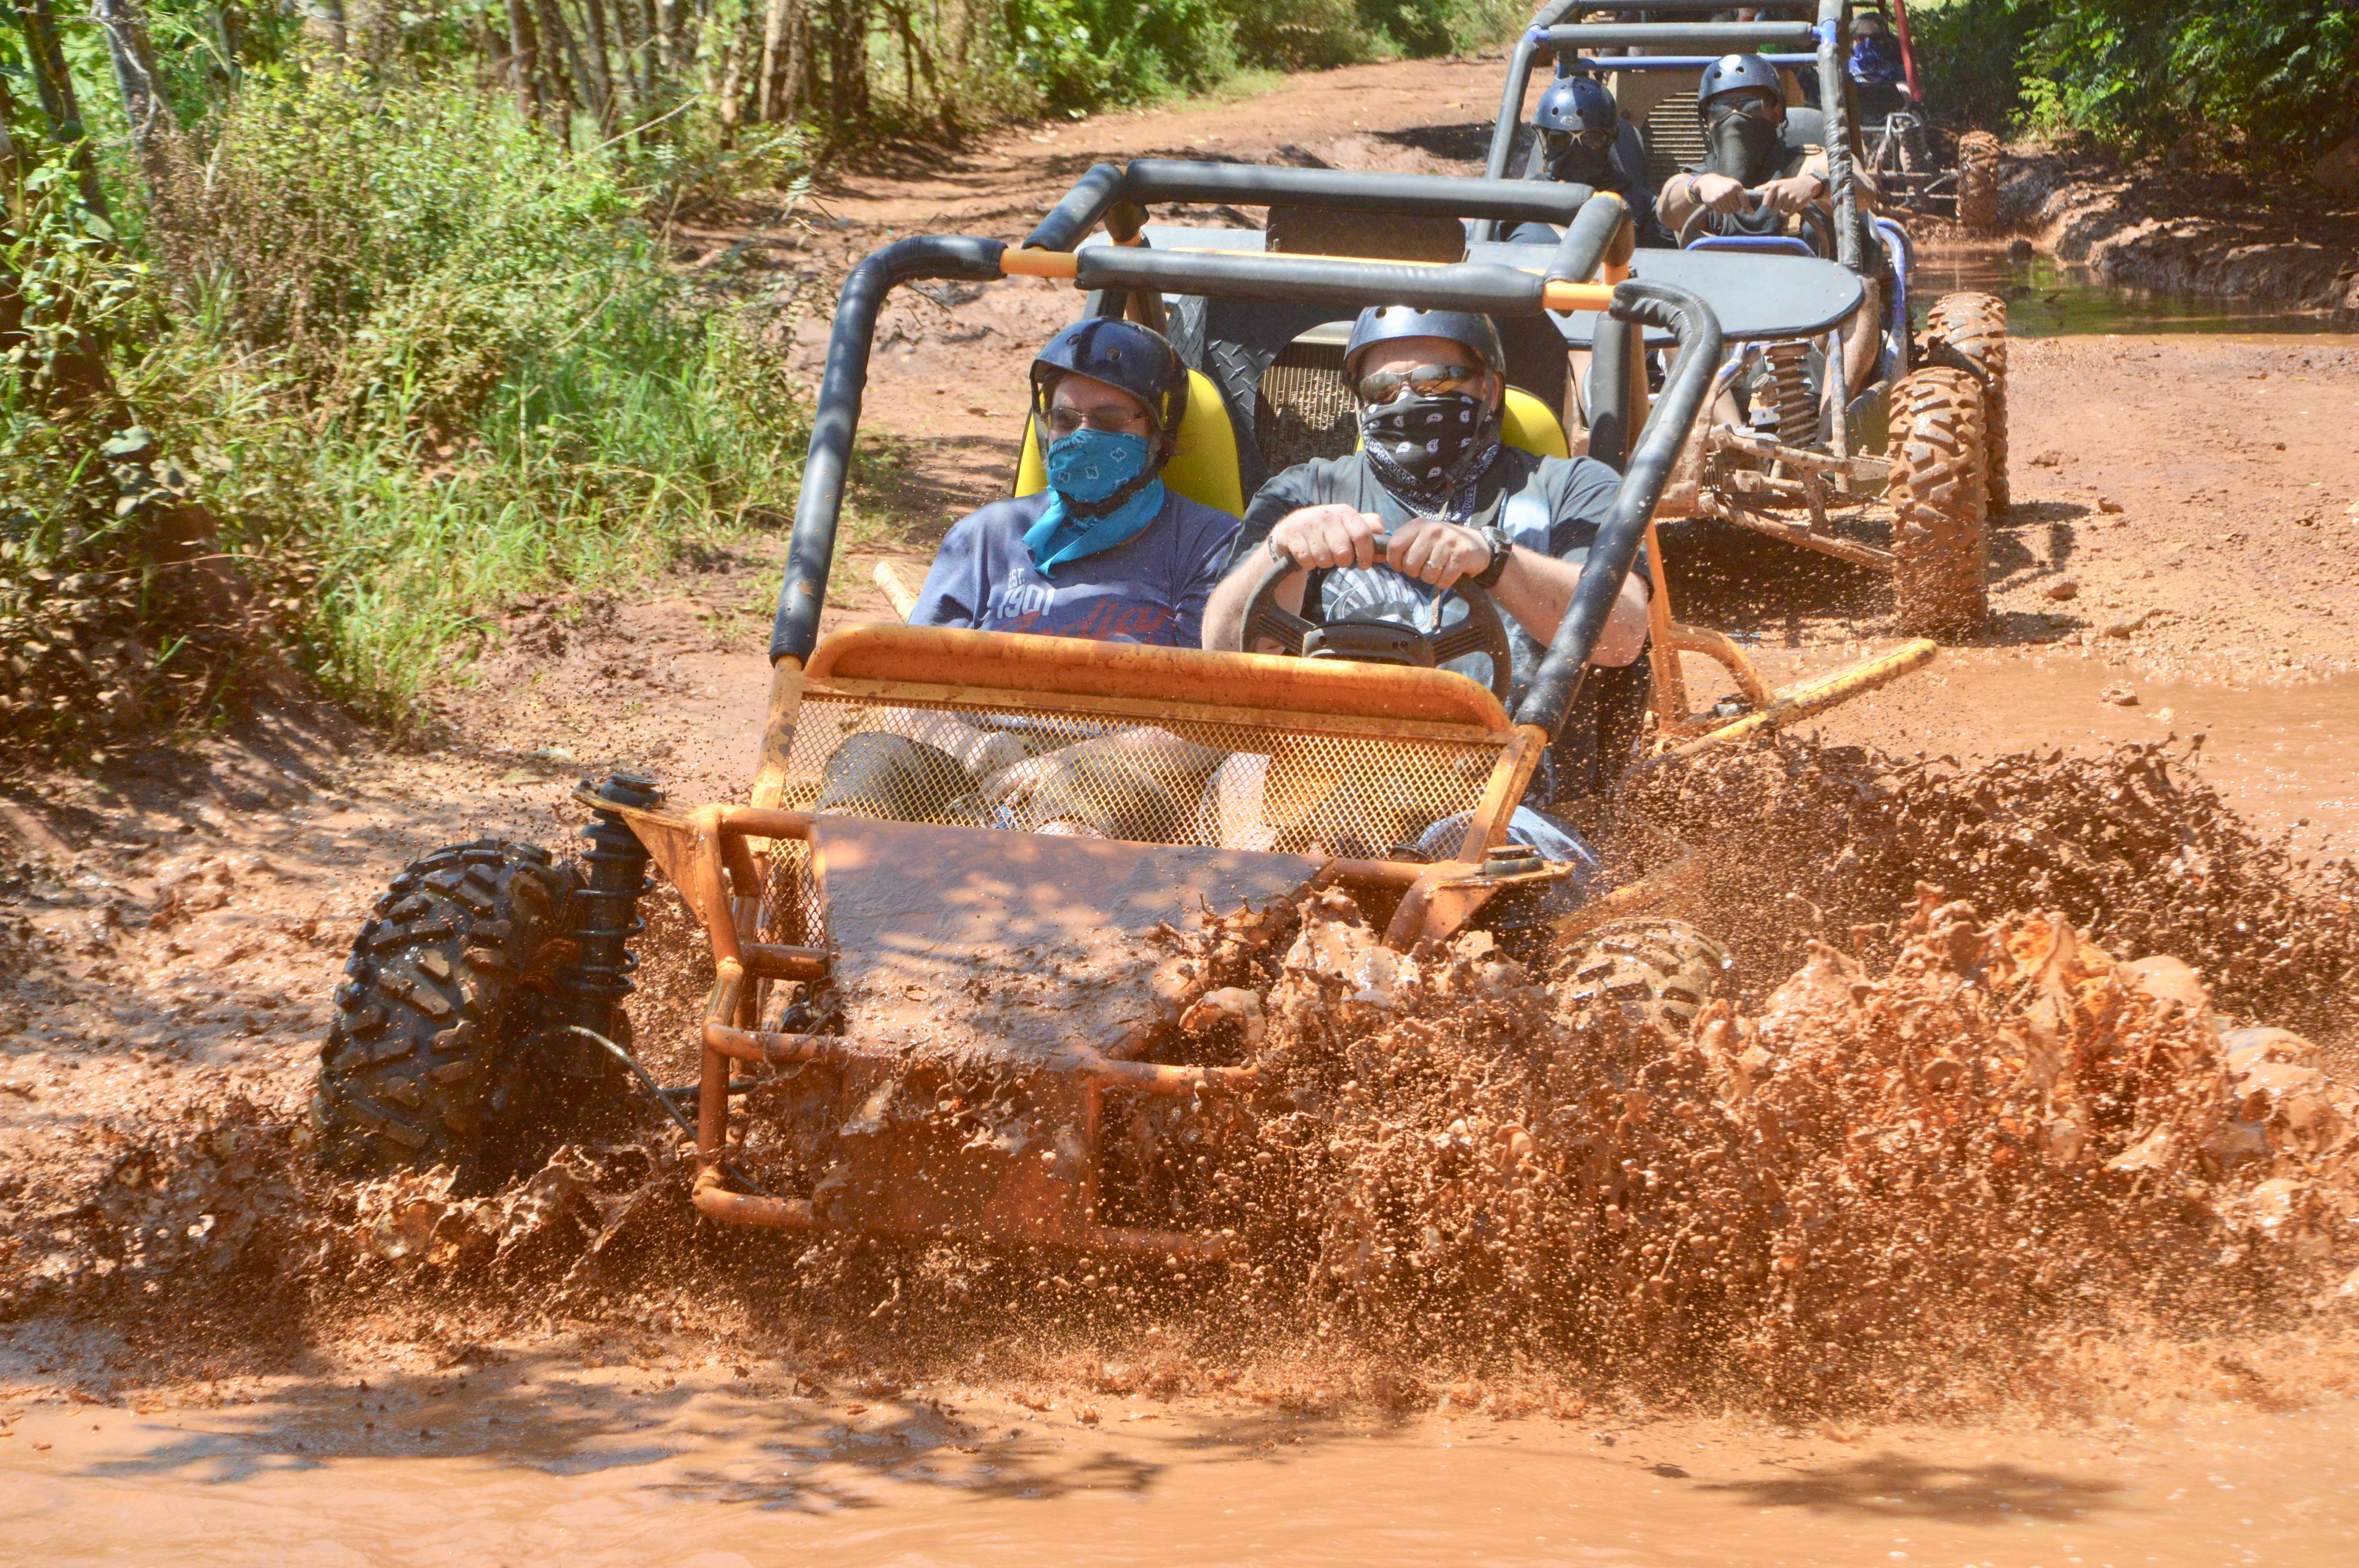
(448, 983)
(1968, 332)
(1649, 971)
(1940, 538)
(1978, 182)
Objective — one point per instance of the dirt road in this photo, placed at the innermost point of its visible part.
(172, 922)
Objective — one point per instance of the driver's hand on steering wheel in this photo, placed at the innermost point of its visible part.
(1720, 192)
(1333, 535)
(1437, 552)
(1787, 196)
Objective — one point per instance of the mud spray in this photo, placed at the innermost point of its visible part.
(1983, 1120)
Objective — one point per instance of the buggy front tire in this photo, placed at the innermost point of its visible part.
(1978, 182)
(1968, 332)
(1939, 538)
(1647, 970)
(448, 983)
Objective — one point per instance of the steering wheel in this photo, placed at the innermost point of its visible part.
(1381, 641)
(1817, 232)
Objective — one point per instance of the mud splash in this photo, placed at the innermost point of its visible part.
(2006, 1138)
(1910, 1127)
(1811, 842)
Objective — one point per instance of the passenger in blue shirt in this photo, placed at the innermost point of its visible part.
(1106, 551)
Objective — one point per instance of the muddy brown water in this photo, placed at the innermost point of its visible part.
(593, 1466)
(2287, 756)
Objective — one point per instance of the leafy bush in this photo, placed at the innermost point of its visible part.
(416, 358)
(485, 378)
(2278, 78)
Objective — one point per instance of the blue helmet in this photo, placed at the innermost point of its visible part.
(1385, 323)
(1738, 73)
(1121, 353)
(1576, 103)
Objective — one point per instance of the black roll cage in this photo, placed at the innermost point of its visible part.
(1117, 196)
(1551, 38)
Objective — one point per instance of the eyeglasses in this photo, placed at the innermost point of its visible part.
(1064, 421)
(1596, 141)
(1427, 381)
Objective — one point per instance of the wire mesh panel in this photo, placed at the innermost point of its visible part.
(1231, 784)
(1674, 138)
(1304, 410)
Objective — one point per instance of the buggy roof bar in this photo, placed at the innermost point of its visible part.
(1117, 194)
(1549, 37)
(1347, 283)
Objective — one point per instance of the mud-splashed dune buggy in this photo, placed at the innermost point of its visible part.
(965, 1029)
(1911, 439)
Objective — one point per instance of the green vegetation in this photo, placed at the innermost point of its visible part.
(331, 329)
(2270, 84)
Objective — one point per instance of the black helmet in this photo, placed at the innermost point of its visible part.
(1575, 103)
(1387, 323)
(1120, 353)
(1738, 73)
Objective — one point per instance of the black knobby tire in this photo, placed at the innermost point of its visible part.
(447, 984)
(1649, 971)
(1968, 332)
(1978, 182)
(1940, 538)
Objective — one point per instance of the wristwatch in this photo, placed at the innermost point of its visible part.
(1495, 568)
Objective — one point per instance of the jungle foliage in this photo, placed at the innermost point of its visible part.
(2273, 84)
(329, 328)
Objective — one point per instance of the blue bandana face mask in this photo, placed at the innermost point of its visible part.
(1086, 471)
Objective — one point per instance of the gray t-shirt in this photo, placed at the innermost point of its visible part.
(1553, 505)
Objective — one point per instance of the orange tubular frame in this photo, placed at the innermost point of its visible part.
(715, 856)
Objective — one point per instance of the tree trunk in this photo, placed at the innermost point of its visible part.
(669, 28)
(55, 84)
(323, 25)
(847, 60)
(771, 90)
(733, 88)
(593, 23)
(153, 123)
(563, 58)
(523, 59)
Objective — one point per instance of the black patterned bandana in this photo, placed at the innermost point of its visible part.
(1430, 453)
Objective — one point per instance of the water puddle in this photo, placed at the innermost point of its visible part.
(2285, 756)
(2049, 299)
(717, 1478)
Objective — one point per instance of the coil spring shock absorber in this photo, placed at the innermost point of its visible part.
(614, 874)
(1788, 390)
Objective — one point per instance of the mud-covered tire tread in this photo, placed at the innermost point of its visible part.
(1652, 970)
(1978, 182)
(1968, 332)
(441, 982)
(1940, 536)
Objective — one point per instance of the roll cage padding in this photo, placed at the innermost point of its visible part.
(1556, 684)
(835, 419)
(1108, 186)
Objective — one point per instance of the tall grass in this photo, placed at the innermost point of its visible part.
(429, 362)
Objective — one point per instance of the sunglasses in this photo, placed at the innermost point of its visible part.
(1595, 140)
(1427, 381)
(1107, 421)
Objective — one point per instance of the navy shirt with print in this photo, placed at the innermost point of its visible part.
(1150, 589)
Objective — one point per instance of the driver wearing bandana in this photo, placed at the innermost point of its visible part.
(1459, 505)
(1750, 181)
